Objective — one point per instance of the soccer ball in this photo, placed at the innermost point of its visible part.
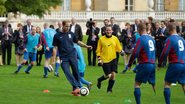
(84, 91)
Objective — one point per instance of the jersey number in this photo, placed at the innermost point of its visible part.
(181, 45)
(151, 45)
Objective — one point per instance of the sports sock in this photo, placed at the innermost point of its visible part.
(102, 78)
(110, 85)
(167, 95)
(29, 68)
(45, 71)
(57, 67)
(137, 94)
(19, 67)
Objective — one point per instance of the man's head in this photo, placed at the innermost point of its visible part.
(108, 31)
(59, 24)
(28, 22)
(66, 25)
(73, 21)
(33, 30)
(46, 25)
(106, 22)
(171, 28)
(5, 24)
(141, 28)
(112, 20)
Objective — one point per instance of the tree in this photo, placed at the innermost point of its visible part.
(28, 7)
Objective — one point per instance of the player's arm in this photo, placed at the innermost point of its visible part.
(44, 41)
(165, 52)
(118, 47)
(84, 45)
(98, 52)
(135, 53)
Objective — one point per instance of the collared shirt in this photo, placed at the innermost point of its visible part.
(28, 29)
(73, 28)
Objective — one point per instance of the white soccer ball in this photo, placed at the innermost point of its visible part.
(84, 91)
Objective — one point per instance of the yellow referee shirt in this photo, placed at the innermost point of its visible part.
(107, 48)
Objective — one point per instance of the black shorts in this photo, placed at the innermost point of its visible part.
(110, 67)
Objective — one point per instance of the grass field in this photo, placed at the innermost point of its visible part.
(27, 89)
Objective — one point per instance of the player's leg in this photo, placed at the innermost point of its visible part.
(57, 64)
(167, 92)
(32, 59)
(25, 59)
(106, 68)
(48, 55)
(113, 67)
(111, 82)
(137, 92)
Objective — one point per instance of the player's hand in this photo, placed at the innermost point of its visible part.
(122, 53)
(25, 50)
(89, 47)
(47, 48)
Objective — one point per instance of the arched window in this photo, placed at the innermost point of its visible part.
(129, 5)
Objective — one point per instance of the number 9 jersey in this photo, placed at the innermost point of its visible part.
(174, 48)
(144, 50)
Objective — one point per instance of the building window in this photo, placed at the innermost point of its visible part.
(129, 5)
(182, 5)
(159, 5)
(66, 5)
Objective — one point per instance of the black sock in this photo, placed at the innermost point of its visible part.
(110, 85)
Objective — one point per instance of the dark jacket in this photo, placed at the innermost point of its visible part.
(78, 32)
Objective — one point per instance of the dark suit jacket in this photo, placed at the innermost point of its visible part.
(115, 29)
(103, 31)
(78, 32)
(133, 27)
(89, 33)
(25, 29)
(2, 37)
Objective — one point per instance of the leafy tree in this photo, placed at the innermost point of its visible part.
(28, 7)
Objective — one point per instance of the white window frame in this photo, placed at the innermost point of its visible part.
(66, 5)
(129, 5)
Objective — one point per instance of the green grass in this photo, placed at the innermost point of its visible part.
(27, 89)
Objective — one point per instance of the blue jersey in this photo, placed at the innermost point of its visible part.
(48, 36)
(80, 57)
(144, 50)
(65, 43)
(32, 41)
(174, 48)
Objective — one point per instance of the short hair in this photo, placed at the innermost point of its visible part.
(65, 22)
(106, 20)
(172, 20)
(150, 18)
(171, 26)
(19, 24)
(141, 27)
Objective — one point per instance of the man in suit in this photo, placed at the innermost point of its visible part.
(6, 39)
(134, 26)
(92, 40)
(76, 29)
(103, 29)
(115, 27)
(27, 27)
(59, 29)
